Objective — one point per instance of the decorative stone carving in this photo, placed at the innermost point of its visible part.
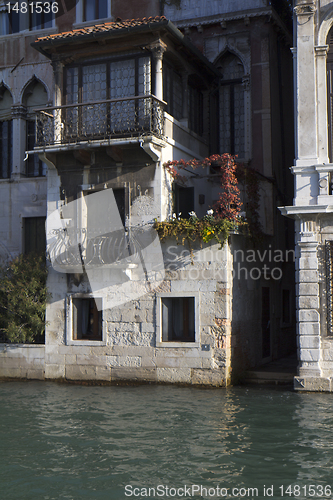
(321, 50)
(305, 9)
(158, 48)
(19, 111)
(246, 82)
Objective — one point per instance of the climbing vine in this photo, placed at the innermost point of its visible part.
(225, 214)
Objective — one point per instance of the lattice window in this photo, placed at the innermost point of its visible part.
(231, 107)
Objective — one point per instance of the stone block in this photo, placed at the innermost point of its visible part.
(305, 276)
(174, 375)
(91, 360)
(308, 354)
(147, 327)
(309, 329)
(308, 263)
(129, 361)
(208, 377)
(35, 374)
(307, 289)
(185, 286)
(310, 341)
(318, 384)
(103, 373)
(54, 359)
(10, 372)
(148, 362)
(308, 315)
(134, 374)
(70, 359)
(54, 371)
(308, 302)
(167, 362)
(80, 372)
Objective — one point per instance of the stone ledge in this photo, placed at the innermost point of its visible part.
(313, 384)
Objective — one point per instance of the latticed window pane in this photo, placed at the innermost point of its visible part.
(94, 88)
(122, 84)
(70, 115)
(172, 92)
(231, 108)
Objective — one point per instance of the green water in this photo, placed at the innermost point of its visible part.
(77, 442)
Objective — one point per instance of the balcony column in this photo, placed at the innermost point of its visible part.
(158, 48)
(58, 69)
(19, 115)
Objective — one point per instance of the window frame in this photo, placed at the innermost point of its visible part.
(69, 334)
(80, 14)
(159, 333)
(9, 165)
(25, 22)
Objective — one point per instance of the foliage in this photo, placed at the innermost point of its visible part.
(229, 203)
(193, 229)
(23, 297)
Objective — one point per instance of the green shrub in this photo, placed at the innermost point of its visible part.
(23, 297)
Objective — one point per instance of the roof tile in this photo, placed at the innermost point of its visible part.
(104, 27)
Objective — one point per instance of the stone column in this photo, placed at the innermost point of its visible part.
(321, 55)
(158, 48)
(306, 85)
(58, 69)
(19, 114)
(308, 307)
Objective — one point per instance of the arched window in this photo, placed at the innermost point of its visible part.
(330, 93)
(6, 133)
(231, 105)
(34, 96)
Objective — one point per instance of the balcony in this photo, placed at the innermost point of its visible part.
(100, 121)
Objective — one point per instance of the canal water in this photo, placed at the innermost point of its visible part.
(90, 442)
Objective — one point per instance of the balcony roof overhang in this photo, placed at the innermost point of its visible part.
(55, 46)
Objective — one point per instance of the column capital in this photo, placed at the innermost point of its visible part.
(19, 111)
(321, 50)
(158, 48)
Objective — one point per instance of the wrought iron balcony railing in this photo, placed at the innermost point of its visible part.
(100, 120)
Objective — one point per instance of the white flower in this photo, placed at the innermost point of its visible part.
(174, 216)
(210, 212)
(192, 214)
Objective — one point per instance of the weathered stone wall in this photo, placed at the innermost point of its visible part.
(22, 361)
(132, 350)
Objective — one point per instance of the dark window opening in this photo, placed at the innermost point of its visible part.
(265, 322)
(34, 235)
(286, 312)
(87, 320)
(178, 319)
(6, 137)
(184, 200)
(119, 195)
(195, 110)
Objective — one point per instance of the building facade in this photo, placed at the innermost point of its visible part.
(312, 204)
(116, 91)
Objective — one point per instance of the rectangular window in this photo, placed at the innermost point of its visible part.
(87, 320)
(195, 110)
(21, 18)
(34, 235)
(178, 319)
(172, 92)
(95, 9)
(6, 134)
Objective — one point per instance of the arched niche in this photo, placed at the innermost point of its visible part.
(34, 96)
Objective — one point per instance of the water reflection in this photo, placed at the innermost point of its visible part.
(74, 442)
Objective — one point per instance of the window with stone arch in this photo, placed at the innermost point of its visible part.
(231, 105)
(330, 93)
(34, 96)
